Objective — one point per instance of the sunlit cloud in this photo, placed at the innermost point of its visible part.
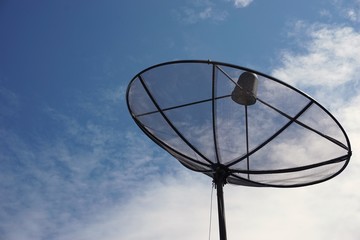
(330, 58)
(242, 3)
(328, 61)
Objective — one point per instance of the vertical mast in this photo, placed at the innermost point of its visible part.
(220, 176)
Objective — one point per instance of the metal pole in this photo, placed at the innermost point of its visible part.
(221, 172)
(221, 209)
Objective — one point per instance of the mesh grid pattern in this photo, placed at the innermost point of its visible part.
(286, 139)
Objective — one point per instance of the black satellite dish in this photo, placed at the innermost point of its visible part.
(237, 125)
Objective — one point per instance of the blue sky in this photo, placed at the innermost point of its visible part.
(73, 164)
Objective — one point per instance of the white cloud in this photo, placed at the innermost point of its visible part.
(328, 63)
(352, 15)
(242, 3)
(164, 209)
(178, 207)
(349, 10)
(201, 10)
(350, 116)
(330, 58)
(53, 182)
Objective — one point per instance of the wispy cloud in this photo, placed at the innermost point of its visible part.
(328, 61)
(242, 3)
(49, 185)
(9, 102)
(348, 9)
(160, 201)
(205, 10)
(191, 15)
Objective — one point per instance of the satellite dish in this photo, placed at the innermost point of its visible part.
(237, 125)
